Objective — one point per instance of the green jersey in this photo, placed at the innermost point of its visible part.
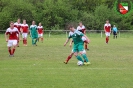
(76, 36)
(33, 30)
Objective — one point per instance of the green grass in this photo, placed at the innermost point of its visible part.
(43, 67)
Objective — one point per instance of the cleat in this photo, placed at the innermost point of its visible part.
(87, 63)
(65, 62)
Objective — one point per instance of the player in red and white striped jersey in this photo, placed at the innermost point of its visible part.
(11, 38)
(40, 32)
(107, 29)
(18, 26)
(24, 31)
(82, 29)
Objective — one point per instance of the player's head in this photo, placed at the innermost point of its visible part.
(33, 22)
(18, 20)
(71, 28)
(24, 21)
(11, 24)
(40, 24)
(107, 21)
(80, 24)
(114, 25)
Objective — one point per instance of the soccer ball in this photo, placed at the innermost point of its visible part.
(80, 63)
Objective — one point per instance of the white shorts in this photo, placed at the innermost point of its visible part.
(24, 35)
(40, 35)
(83, 38)
(83, 51)
(12, 43)
(107, 33)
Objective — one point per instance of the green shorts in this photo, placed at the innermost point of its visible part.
(78, 47)
(34, 36)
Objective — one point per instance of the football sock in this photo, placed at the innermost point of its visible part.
(23, 41)
(9, 50)
(79, 58)
(42, 39)
(36, 41)
(106, 40)
(32, 41)
(68, 58)
(85, 57)
(26, 41)
(13, 51)
(86, 46)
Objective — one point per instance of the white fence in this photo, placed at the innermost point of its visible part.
(66, 32)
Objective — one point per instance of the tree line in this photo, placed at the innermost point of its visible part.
(57, 14)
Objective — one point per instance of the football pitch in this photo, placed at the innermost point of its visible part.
(42, 66)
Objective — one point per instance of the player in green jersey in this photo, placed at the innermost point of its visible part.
(34, 33)
(78, 44)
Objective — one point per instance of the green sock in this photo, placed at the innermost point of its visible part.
(32, 41)
(36, 41)
(85, 57)
(79, 58)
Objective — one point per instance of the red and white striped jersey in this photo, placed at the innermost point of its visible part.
(24, 28)
(17, 25)
(81, 29)
(12, 33)
(107, 27)
(40, 29)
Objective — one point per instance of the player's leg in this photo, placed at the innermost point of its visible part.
(75, 50)
(68, 58)
(81, 51)
(23, 36)
(107, 37)
(25, 39)
(78, 57)
(86, 41)
(9, 45)
(14, 47)
(42, 38)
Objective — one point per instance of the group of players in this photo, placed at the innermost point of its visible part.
(14, 32)
(78, 36)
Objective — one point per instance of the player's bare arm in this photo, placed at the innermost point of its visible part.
(6, 37)
(71, 43)
(66, 42)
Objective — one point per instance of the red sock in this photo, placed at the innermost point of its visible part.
(106, 40)
(86, 46)
(26, 41)
(23, 41)
(13, 51)
(68, 58)
(9, 50)
(41, 39)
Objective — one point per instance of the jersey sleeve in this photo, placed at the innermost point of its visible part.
(7, 32)
(69, 36)
(79, 33)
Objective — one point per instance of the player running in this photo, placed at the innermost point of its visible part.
(11, 38)
(40, 32)
(18, 26)
(34, 33)
(107, 29)
(24, 31)
(78, 44)
(82, 29)
(72, 53)
(115, 32)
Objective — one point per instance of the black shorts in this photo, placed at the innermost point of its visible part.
(114, 33)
